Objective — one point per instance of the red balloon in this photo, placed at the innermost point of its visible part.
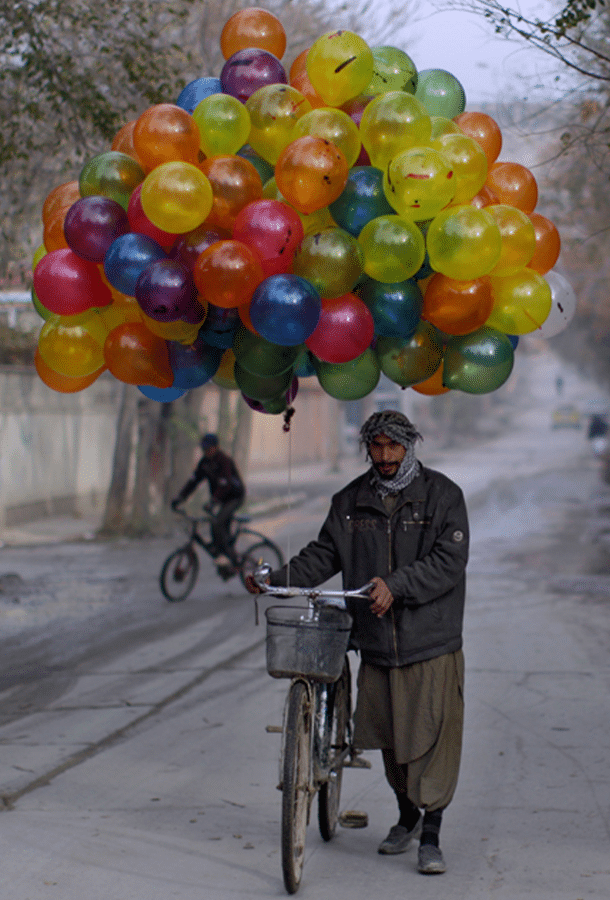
(68, 285)
(273, 230)
(344, 331)
(141, 224)
(135, 355)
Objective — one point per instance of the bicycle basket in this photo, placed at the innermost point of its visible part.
(300, 642)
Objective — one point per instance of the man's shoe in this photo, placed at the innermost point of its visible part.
(430, 860)
(399, 837)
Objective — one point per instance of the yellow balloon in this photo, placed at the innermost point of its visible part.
(334, 125)
(39, 253)
(393, 122)
(393, 248)
(339, 66)
(69, 349)
(274, 111)
(522, 302)
(176, 197)
(468, 162)
(418, 183)
(224, 124)
(224, 376)
(463, 243)
(182, 332)
(518, 238)
(441, 126)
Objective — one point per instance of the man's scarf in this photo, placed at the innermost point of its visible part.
(398, 428)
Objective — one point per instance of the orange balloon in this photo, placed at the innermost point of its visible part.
(513, 185)
(53, 236)
(225, 377)
(484, 130)
(485, 197)
(235, 183)
(253, 27)
(310, 173)
(457, 307)
(548, 244)
(63, 384)
(227, 274)
(123, 141)
(299, 79)
(244, 314)
(166, 133)
(432, 386)
(136, 356)
(299, 65)
(64, 195)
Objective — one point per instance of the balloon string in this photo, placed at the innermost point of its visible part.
(288, 552)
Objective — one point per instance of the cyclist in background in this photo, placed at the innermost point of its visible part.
(227, 493)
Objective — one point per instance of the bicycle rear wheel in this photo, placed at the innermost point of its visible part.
(296, 793)
(339, 711)
(264, 551)
(179, 574)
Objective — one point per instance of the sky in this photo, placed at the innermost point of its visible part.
(487, 65)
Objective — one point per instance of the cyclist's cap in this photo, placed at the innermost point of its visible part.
(209, 440)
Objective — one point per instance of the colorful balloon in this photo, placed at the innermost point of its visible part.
(176, 197)
(468, 164)
(161, 395)
(260, 357)
(273, 230)
(223, 123)
(419, 182)
(478, 363)
(484, 130)
(344, 331)
(69, 349)
(310, 173)
(194, 365)
(394, 249)
(333, 125)
(219, 327)
(67, 285)
(188, 247)
(432, 386)
(274, 111)
(463, 243)
(264, 169)
(393, 70)
(259, 388)
(457, 307)
(393, 122)
(196, 91)
(135, 356)
(53, 235)
(61, 197)
(141, 224)
(522, 302)
(440, 92)
(285, 310)
(111, 174)
(299, 79)
(351, 380)
(63, 384)
(514, 185)
(253, 27)
(354, 108)
(123, 141)
(165, 133)
(339, 66)
(361, 200)
(227, 273)
(396, 307)
(518, 238)
(331, 260)
(165, 290)
(127, 257)
(224, 377)
(407, 361)
(248, 70)
(548, 244)
(235, 183)
(92, 224)
(563, 305)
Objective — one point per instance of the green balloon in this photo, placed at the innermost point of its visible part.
(276, 405)
(261, 389)
(332, 260)
(441, 93)
(407, 361)
(478, 363)
(261, 357)
(264, 169)
(351, 380)
(111, 174)
(393, 70)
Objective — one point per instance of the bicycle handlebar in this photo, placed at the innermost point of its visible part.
(262, 572)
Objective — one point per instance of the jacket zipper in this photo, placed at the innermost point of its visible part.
(394, 638)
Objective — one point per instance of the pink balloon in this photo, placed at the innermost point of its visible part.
(68, 285)
(344, 331)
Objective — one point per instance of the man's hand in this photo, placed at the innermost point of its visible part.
(381, 597)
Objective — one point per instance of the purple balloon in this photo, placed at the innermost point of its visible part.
(164, 290)
(248, 70)
(92, 224)
(285, 309)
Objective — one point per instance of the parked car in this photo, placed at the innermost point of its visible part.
(566, 416)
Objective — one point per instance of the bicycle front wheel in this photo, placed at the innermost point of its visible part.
(179, 574)
(296, 790)
(339, 711)
(264, 551)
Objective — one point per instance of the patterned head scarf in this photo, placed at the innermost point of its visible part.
(398, 428)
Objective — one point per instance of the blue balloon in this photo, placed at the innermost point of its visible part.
(285, 309)
(514, 339)
(161, 395)
(396, 308)
(193, 366)
(127, 257)
(362, 199)
(304, 367)
(220, 326)
(196, 91)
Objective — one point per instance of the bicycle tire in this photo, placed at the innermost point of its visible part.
(179, 574)
(329, 796)
(262, 551)
(296, 794)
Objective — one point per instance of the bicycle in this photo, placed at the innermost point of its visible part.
(181, 568)
(309, 646)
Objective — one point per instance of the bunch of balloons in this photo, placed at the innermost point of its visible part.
(336, 220)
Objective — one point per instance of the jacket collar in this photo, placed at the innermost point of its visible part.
(414, 492)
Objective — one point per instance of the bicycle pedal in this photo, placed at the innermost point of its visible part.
(353, 818)
(274, 729)
(357, 762)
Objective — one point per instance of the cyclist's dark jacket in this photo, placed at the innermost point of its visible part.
(420, 551)
(222, 475)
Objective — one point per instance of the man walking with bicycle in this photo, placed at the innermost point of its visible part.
(227, 493)
(403, 528)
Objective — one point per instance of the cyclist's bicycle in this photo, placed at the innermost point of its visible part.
(308, 644)
(251, 548)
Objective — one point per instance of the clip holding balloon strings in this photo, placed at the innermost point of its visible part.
(288, 414)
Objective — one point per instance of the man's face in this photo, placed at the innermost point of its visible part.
(386, 455)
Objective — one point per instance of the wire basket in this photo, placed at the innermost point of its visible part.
(302, 642)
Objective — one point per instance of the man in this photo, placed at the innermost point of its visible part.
(404, 528)
(227, 493)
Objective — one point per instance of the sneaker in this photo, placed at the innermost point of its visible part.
(399, 837)
(430, 860)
